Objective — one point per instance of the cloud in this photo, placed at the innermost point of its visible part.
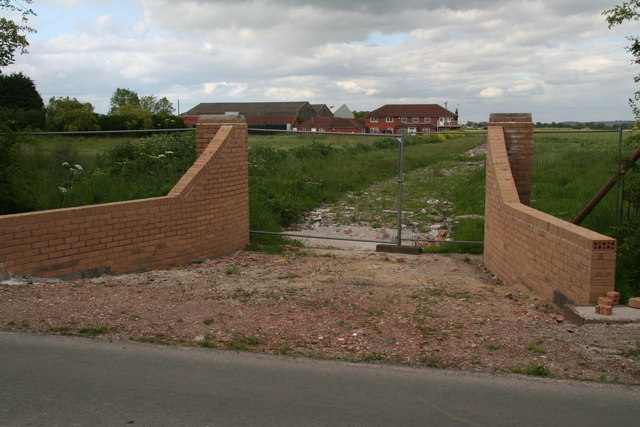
(355, 87)
(542, 56)
(491, 92)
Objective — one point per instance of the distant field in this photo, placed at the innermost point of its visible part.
(568, 171)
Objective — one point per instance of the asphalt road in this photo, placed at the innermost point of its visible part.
(53, 380)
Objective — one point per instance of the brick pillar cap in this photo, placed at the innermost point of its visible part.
(509, 117)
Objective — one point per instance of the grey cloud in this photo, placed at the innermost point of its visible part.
(534, 53)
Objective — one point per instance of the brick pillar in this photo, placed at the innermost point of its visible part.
(208, 126)
(518, 133)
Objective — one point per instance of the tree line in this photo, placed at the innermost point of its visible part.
(22, 107)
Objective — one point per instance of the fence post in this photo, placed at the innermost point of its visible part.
(618, 209)
(400, 183)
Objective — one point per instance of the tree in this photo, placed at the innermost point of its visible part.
(13, 34)
(70, 115)
(628, 11)
(156, 106)
(122, 97)
(129, 100)
(21, 105)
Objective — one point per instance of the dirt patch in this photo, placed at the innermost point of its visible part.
(431, 310)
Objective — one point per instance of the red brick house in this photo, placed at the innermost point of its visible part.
(411, 118)
(332, 124)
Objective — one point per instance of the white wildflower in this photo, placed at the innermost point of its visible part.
(62, 190)
(65, 164)
(160, 156)
(80, 169)
(168, 152)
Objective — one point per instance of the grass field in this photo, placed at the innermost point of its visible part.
(52, 172)
(568, 171)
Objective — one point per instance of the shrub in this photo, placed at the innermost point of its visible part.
(627, 265)
(39, 177)
(8, 149)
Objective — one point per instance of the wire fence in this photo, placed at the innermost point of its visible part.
(399, 189)
(569, 169)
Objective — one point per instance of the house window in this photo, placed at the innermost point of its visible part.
(403, 120)
(441, 120)
(374, 130)
(427, 119)
(389, 119)
(373, 119)
(415, 119)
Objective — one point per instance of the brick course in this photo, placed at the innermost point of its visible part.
(205, 215)
(526, 246)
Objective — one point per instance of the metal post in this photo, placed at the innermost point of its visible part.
(618, 213)
(400, 182)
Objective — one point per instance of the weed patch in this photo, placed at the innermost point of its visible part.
(241, 342)
(632, 352)
(534, 370)
(97, 330)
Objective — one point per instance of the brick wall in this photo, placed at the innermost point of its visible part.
(560, 261)
(205, 215)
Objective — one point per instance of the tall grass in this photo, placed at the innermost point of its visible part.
(288, 179)
(569, 169)
(58, 172)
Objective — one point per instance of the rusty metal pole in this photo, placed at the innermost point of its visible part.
(605, 189)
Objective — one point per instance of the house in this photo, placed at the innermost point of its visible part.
(411, 118)
(262, 115)
(331, 124)
(322, 110)
(344, 112)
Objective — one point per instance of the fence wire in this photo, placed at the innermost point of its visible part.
(370, 188)
(570, 167)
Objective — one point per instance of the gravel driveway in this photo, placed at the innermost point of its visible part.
(440, 311)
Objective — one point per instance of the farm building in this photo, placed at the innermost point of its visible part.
(261, 115)
(331, 124)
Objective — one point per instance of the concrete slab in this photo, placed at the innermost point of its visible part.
(582, 314)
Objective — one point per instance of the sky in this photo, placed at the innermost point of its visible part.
(556, 59)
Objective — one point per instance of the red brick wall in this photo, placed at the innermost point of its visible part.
(205, 215)
(559, 260)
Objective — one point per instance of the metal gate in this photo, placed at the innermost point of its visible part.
(360, 187)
